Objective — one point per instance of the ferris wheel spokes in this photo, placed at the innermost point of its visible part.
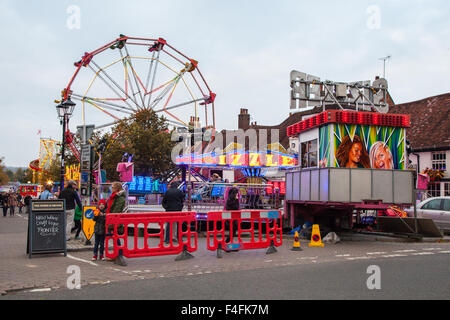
(120, 87)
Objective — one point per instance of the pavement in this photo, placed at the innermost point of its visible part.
(52, 271)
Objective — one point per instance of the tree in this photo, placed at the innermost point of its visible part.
(146, 136)
(27, 175)
(3, 175)
(53, 173)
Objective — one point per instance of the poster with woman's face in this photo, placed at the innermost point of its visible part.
(360, 146)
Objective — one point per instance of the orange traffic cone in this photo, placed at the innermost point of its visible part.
(296, 246)
(316, 239)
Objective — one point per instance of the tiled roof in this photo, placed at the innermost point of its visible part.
(430, 122)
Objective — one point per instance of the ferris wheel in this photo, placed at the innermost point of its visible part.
(132, 74)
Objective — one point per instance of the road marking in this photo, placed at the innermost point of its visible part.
(422, 253)
(430, 249)
(41, 290)
(82, 260)
(343, 255)
(373, 253)
(445, 251)
(358, 258)
(394, 255)
(405, 251)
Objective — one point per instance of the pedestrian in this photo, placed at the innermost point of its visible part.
(12, 203)
(27, 202)
(19, 202)
(72, 200)
(99, 230)
(5, 204)
(77, 220)
(232, 204)
(47, 193)
(116, 204)
(172, 202)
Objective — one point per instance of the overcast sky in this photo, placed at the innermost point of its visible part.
(246, 50)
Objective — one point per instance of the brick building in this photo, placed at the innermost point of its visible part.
(429, 136)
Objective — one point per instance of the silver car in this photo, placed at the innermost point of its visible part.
(437, 209)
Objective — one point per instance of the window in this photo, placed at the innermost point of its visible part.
(309, 154)
(446, 204)
(438, 160)
(434, 189)
(432, 205)
(447, 189)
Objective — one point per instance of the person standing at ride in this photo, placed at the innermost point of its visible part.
(116, 204)
(232, 204)
(172, 202)
(72, 199)
(12, 203)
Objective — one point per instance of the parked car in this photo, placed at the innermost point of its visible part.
(437, 209)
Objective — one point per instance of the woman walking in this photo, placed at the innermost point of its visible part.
(12, 203)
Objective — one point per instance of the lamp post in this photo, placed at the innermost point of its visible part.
(64, 110)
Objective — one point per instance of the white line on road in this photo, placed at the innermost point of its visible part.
(41, 290)
(394, 255)
(445, 251)
(358, 258)
(82, 260)
(373, 253)
(343, 255)
(405, 251)
(431, 249)
(422, 253)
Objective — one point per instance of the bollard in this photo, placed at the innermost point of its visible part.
(120, 260)
(185, 255)
(272, 248)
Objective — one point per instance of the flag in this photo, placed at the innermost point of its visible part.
(39, 132)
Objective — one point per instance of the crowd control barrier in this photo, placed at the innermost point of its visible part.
(268, 225)
(153, 243)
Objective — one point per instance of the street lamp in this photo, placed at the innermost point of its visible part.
(64, 111)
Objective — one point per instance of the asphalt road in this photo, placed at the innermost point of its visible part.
(410, 278)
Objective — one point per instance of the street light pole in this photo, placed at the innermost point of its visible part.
(64, 110)
(62, 151)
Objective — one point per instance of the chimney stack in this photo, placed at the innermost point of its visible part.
(244, 120)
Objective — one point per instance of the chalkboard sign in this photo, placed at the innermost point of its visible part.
(47, 227)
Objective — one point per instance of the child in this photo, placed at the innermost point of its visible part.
(77, 220)
(99, 229)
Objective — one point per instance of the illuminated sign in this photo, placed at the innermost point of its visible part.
(239, 159)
